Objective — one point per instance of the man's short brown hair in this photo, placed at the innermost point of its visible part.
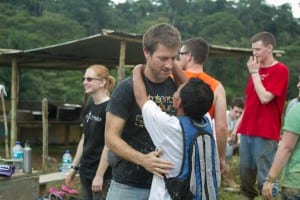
(164, 34)
(266, 37)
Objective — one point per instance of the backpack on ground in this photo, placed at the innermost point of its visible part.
(200, 176)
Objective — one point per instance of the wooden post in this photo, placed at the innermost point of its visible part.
(121, 70)
(45, 133)
(5, 126)
(14, 98)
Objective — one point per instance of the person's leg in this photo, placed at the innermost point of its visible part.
(86, 191)
(236, 148)
(248, 168)
(102, 195)
(228, 175)
(125, 192)
(264, 153)
(229, 151)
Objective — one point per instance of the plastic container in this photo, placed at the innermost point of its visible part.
(18, 157)
(66, 162)
(27, 166)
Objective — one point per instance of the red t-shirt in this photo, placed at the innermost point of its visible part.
(264, 120)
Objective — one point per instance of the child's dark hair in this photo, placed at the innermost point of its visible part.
(197, 98)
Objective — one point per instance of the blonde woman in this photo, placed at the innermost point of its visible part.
(91, 154)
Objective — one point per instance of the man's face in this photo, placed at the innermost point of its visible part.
(260, 51)
(235, 112)
(181, 60)
(161, 62)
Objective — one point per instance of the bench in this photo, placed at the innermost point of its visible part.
(44, 179)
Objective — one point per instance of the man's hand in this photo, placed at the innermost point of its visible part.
(253, 64)
(233, 139)
(152, 163)
(267, 190)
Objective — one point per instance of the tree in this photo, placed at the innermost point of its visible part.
(36, 23)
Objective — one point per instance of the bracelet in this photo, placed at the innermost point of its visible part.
(76, 168)
(254, 72)
(270, 179)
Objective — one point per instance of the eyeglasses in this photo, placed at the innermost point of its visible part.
(183, 53)
(89, 79)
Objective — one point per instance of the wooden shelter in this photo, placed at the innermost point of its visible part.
(111, 48)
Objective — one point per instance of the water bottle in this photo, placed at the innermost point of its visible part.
(27, 166)
(18, 156)
(66, 162)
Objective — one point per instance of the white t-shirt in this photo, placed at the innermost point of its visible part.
(230, 122)
(166, 134)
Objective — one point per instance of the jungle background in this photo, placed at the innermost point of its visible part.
(26, 24)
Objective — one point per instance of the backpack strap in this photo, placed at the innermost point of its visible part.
(197, 176)
(200, 150)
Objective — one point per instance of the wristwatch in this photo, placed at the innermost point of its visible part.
(270, 179)
(76, 168)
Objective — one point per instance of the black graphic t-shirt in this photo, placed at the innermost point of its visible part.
(93, 130)
(123, 104)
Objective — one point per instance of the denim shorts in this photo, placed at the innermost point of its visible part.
(118, 191)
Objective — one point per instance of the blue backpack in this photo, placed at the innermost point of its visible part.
(199, 177)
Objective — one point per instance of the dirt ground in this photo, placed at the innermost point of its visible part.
(55, 154)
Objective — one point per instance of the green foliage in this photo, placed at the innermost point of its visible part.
(218, 28)
(36, 23)
(56, 86)
(23, 31)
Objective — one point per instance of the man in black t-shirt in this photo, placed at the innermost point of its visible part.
(135, 157)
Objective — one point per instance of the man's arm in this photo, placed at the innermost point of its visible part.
(139, 88)
(263, 95)
(282, 156)
(113, 129)
(151, 161)
(179, 75)
(234, 134)
(221, 123)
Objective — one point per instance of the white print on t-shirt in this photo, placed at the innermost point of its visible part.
(90, 116)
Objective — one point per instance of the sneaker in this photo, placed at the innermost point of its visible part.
(55, 193)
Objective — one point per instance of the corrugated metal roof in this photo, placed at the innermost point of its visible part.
(103, 48)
